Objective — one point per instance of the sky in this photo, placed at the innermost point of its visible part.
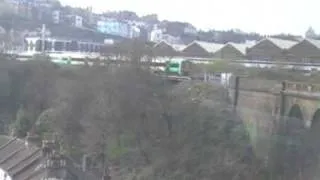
(262, 16)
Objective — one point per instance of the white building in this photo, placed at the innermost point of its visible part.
(78, 21)
(189, 29)
(134, 31)
(156, 34)
(56, 16)
(170, 39)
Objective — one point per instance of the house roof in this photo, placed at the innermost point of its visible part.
(161, 42)
(280, 43)
(178, 47)
(240, 47)
(23, 160)
(314, 42)
(19, 160)
(209, 47)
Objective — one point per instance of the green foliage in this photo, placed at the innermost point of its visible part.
(23, 123)
(219, 66)
(131, 118)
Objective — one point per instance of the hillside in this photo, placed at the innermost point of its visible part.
(29, 19)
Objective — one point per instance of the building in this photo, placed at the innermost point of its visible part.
(156, 34)
(170, 39)
(56, 16)
(232, 51)
(30, 158)
(114, 27)
(307, 51)
(134, 31)
(164, 49)
(189, 29)
(270, 49)
(77, 21)
(201, 49)
(21, 7)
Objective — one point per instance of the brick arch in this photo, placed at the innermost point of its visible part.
(313, 132)
(295, 118)
(295, 112)
(315, 123)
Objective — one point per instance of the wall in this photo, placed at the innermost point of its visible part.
(258, 111)
(260, 106)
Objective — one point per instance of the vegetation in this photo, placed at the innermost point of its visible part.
(136, 125)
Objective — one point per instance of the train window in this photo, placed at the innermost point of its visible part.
(58, 46)
(86, 47)
(91, 47)
(174, 65)
(68, 46)
(74, 46)
(96, 48)
(38, 45)
(48, 45)
(82, 47)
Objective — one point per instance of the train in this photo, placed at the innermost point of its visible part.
(179, 66)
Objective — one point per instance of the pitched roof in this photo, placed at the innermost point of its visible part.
(25, 161)
(240, 47)
(282, 44)
(209, 47)
(178, 47)
(161, 42)
(314, 42)
(17, 159)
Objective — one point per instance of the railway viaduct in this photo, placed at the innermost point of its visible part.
(263, 104)
(269, 98)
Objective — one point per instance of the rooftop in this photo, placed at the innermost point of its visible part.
(314, 42)
(282, 44)
(241, 47)
(23, 160)
(209, 47)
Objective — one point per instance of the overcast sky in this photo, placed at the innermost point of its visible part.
(262, 16)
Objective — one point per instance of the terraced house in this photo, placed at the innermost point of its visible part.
(24, 160)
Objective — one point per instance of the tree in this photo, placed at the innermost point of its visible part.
(23, 123)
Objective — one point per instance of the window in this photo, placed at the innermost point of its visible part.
(174, 65)
(58, 46)
(68, 46)
(38, 45)
(74, 46)
(48, 45)
(82, 47)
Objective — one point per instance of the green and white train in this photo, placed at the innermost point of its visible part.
(178, 66)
